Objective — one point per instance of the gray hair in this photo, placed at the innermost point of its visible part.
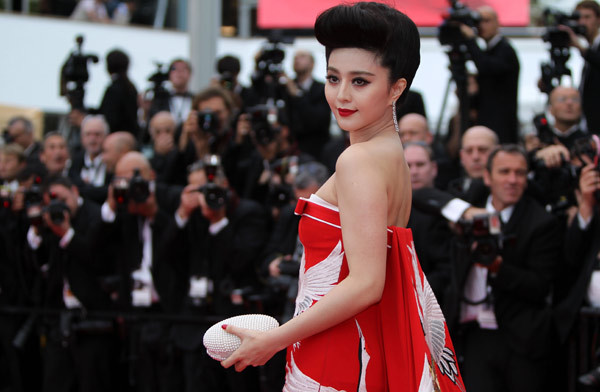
(26, 123)
(311, 173)
(99, 117)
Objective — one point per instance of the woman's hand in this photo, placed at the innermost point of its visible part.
(256, 349)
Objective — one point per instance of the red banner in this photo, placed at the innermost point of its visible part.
(301, 14)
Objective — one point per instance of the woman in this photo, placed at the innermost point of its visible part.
(365, 316)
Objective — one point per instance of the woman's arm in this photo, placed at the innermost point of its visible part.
(362, 199)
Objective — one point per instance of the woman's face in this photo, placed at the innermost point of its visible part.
(358, 89)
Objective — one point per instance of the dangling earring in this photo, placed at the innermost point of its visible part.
(394, 117)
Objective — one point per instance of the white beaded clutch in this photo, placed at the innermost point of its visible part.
(220, 344)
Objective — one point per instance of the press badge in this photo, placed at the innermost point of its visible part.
(70, 300)
(141, 296)
(200, 286)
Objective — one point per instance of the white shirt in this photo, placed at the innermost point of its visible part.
(476, 286)
(93, 171)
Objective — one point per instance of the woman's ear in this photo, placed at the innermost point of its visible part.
(397, 89)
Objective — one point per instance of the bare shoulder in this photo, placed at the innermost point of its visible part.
(356, 155)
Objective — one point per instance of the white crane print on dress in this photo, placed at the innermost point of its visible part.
(319, 279)
(433, 323)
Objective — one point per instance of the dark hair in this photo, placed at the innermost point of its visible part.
(117, 62)
(50, 134)
(589, 5)
(311, 173)
(514, 149)
(56, 180)
(212, 92)
(376, 27)
(228, 64)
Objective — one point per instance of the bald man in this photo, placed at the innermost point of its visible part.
(476, 144)
(497, 76)
(414, 128)
(115, 146)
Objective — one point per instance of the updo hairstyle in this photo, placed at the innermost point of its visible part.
(388, 33)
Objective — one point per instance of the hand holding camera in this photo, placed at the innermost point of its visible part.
(132, 195)
(189, 201)
(589, 189)
(57, 217)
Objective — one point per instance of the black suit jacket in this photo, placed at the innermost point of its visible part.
(581, 254)
(76, 263)
(120, 244)
(119, 106)
(229, 259)
(432, 236)
(310, 117)
(590, 84)
(498, 79)
(522, 289)
(96, 194)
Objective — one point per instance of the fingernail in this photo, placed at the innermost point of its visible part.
(224, 326)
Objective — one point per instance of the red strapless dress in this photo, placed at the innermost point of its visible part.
(399, 344)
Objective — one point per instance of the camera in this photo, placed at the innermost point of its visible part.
(449, 31)
(158, 93)
(137, 189)
(559, 40)
(208, 122)
(483, 236)
(216, 196)
(56, 209)
(74, 74)
(272, 53)
(280, 195)
(263, 120)
(552, 19)
(5, 197)
(33, 199)
(559, 183)
(266, 81)
(227, 79)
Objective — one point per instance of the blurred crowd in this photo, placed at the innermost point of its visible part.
(138, 224)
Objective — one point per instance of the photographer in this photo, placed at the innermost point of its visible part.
(228, 68)
(580, 280)
(309, 111)
(166, 160)
(431, 232)
(497, 78)
(87, 170)
(207, 129)
(180, 101)
(589, 16)
(554, 178)
(12, 161)
(132, 243)
(219, 238)
(120, 102)
(564, 107)
(55, 154)
(20, 131)
(499, 297)
(79, 353)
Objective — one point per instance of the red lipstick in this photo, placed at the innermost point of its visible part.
(346, 112)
